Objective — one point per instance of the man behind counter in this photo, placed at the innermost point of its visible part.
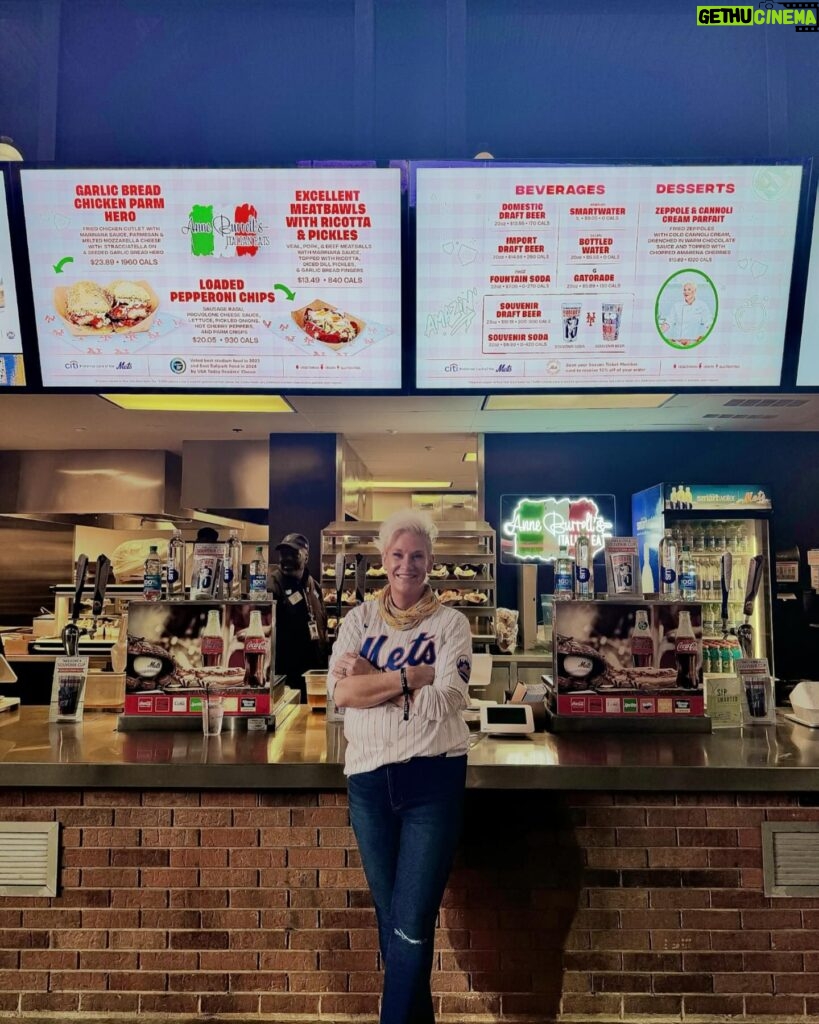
(301, 619)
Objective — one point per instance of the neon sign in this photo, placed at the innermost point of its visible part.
(539, 527)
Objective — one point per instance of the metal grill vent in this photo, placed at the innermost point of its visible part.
(790, 858)
(740, 416)
(28, 858)
(779, 403)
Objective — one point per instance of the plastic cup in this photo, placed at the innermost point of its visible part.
(316, 685)
(213, 714)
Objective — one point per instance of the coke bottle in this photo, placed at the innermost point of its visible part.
(255, 650)
(642, 645)
(685, 652)
(212, 642)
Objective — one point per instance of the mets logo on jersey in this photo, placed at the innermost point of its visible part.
(464, 667)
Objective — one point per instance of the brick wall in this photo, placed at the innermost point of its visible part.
(607, 905)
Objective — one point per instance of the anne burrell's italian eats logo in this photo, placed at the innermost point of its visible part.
(802, 15)
(218, 233)
(539, 527)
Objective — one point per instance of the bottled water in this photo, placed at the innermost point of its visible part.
(669, 568)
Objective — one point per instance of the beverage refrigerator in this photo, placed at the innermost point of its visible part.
(712, 520)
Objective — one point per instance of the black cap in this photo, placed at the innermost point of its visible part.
(294, 540)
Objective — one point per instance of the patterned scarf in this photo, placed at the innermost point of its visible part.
(407, 618)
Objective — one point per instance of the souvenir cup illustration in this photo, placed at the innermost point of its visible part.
(756, 698)
(571, 320)
(68, 695)
(612, 312)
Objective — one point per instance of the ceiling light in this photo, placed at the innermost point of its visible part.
(470, 457)
(201, 403)
(519, 403)
(403, 485)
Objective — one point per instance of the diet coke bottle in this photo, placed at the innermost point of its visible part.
(642, 645)
(212, 643)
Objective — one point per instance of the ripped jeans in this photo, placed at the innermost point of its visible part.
(407, 819)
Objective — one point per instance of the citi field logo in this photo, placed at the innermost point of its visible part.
(238, 233)
(803, 16)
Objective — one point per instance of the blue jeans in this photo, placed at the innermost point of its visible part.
(407, 819)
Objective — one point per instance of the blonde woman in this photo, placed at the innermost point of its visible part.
(400, 669)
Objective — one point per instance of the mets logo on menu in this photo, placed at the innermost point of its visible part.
(217, 233)
(802, 14)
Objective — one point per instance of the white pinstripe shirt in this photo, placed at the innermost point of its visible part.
(379, 735)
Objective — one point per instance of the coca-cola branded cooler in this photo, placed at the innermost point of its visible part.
(617, 660)
(710, 520)
(179, 651)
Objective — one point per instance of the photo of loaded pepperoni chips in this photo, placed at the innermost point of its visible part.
(328, 324)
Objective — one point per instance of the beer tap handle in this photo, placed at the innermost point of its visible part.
(752, 585)
(726, 568)
(79, 586)
(100, 584)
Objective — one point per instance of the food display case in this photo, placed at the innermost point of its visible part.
(463, 574)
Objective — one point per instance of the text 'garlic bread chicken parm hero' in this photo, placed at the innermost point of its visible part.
(328, 324)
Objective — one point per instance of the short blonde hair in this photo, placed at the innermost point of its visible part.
(407, 520)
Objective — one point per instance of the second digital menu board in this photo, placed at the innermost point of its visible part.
(216, 278)
(603, 276)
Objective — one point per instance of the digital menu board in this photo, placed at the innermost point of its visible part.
(216, 278)
(12, 373)
(603, 276)
(807, 374)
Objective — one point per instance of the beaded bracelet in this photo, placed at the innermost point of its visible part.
(406, 691)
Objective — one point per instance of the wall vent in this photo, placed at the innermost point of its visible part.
(28, 858)
(790, 858)
(778, 403)
(740, 416)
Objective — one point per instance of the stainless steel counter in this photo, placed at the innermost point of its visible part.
(307, 753)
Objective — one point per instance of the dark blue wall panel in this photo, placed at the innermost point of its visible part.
(302, 490)
(267, 81)
(205, 81)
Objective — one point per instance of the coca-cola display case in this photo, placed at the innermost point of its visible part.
(180, 652)
(712, 520)
(463, 574)
(628, 663)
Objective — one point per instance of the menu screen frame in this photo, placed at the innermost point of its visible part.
(810, 310)
(489, 383)
(13, 363)
(391, 336)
